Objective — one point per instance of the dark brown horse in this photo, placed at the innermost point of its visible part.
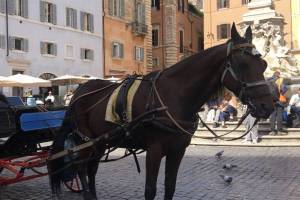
(183, 88)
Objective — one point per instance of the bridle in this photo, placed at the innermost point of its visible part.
(244, 86)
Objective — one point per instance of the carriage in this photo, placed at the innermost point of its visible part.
(26, 135)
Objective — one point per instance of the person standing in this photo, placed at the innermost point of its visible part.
(67, 98)
(30, 100)
(276, 116)
(252, 136)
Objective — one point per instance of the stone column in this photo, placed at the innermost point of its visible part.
(170, 32)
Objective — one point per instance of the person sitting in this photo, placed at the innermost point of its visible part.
(30, 100)
(50, 99)
(294, 108)
(224, 114)
(232, 108)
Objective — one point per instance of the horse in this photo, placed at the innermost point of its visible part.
(181, 90)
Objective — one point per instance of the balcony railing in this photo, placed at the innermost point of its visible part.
(139, 28)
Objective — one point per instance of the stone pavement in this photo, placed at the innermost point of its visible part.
(265, 173)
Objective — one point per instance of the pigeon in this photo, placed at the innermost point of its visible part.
(229, 166)
(219, 154)
(227, 179)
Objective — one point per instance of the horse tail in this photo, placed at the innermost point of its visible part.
(56, 166)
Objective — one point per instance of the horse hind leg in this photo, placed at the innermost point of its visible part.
(173, 161)
(153, 160)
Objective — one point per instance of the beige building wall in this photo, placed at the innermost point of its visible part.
(169, 21)
(121, 30)
(296, 28)
(234, 13)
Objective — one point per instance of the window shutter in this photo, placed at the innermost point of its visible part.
(183, 6)
(218, 32)
(82, 21)
(122, 8)
(25, 8)
(74, 18)
(68, 17)
(43, 47)
(121, 51)
(227, 3)
(228, 30)
(2, 42)
(2, 6)
(158, 4)
(11, 7)
(91, 21)
(55, 49)
(11, 43)
(143, 14)
(135, 52)
(112, 50)
(91, 55)
(110, 7)
(142, 54)
(54, 15)
(218, 4)
(82, 54)
(42, 11)
(25, 45)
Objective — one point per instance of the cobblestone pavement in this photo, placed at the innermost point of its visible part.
(262, 174)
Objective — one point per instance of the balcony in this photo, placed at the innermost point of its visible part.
(139, 28)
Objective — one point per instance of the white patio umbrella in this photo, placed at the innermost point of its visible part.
(5, 82)
(22, 80)
(69, 80)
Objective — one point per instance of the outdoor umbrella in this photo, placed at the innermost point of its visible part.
(69, 80)
(5, 82)
(22, 80)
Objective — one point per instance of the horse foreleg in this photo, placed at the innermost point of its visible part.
(153, 159)
(173, 160)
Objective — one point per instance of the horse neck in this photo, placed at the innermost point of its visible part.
(197, 78)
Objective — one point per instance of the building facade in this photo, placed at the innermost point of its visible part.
(127, 37)
(220, 14)
(49, 38)
(177, 31)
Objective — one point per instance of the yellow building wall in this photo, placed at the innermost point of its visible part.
(296, 28)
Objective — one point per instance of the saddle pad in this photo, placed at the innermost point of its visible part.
(41, 120)
(111, 115)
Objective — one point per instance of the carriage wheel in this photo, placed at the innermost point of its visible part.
(74, 185)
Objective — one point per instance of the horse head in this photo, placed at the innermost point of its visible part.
(243, 74)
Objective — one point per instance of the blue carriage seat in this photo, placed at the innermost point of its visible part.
(41, 120)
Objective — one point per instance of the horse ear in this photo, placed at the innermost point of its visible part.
(234, 33)
(248, 34)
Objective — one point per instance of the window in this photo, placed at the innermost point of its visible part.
(155, 62)
(222, 4)
(87, 22)
(155, 36)
(18, 43)
(17, 91)
(117, 8)
(86, 54)
(71, 18)
(245, 2)
(15, 7)
(69, 51)
(181, 39)
(117, 50)
(2, 42)
(48, 48)
(48, 12)
(21, 8)
(223, 31)
(181, 6)
(139, 53)
(140, 13)
(155, 4)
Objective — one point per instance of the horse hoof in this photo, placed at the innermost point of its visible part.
(89, 196)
